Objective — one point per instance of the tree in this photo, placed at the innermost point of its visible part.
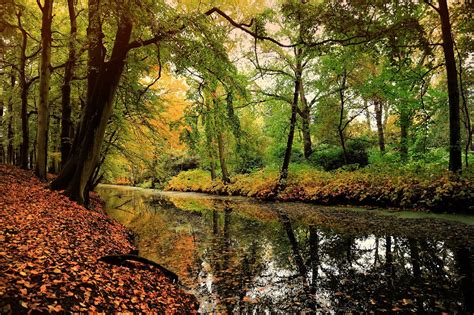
(66, 123)
(455, 151)
(44, 77)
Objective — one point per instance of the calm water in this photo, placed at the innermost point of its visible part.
(237, 255)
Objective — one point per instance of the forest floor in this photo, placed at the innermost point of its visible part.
(49, 251)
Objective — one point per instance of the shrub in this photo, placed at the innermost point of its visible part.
(248, 163)
(278, 153)
(332, 157)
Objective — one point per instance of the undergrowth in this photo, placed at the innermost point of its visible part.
(412, 187)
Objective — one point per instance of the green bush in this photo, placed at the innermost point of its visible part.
(248, 163)
(278, 153)
(332, 157)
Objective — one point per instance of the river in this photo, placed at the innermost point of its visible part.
(240, 255)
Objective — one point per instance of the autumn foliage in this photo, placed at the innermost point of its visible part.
(49, 255)
(439, 193)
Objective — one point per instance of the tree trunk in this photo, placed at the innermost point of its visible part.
(367, 115)
(66, 124)
(305, 124)
(10, 149)
(2, 104)
(291, 133)
(404, 125)
(87, 143)
(45, 76)
(455, 155)
(340, 128)
(24, 86)
(220, 144)
(378, 118)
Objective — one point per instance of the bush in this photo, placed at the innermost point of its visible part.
(278, 153)
(248, 163)
(332, 157)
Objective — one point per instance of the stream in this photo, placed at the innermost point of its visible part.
(240, 255)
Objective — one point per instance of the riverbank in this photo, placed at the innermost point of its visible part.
(49, 255)
(437, 193)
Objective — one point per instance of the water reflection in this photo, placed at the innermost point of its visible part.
(239, 256)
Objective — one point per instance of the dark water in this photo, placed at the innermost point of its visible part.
(241, 256)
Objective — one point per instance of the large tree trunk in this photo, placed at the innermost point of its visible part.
(379, 120)
(455, 155)
(87, 143)
(66, 124)
(45, 76)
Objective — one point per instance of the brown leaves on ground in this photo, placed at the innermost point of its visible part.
(49, 248)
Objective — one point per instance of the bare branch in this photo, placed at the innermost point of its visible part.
(244, 28)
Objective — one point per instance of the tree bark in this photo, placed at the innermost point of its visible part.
(222, 162)
(367, 116)
(102, 86)
(379, 120)
(10, 149)
(66, 124)
(24, 86)
(2, 104)
(45, 76)
(455, 151)
(340, 128)
(305, 114)
(294, 111)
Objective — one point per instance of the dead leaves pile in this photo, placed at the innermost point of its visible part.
(49, 248)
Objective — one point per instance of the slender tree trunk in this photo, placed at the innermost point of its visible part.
(367, 115)
(24, 86)
(404, 125)
(2, 105)
(10, 149)
(455, 155)
(45, 76)
(291, 133)
(220, 145)
(340, 128)
(378, 118)
(305, 124)
(66, 124)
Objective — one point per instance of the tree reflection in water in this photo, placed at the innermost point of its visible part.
(241, 256)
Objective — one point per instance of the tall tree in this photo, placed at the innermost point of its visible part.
(44, 83)
(66, 123)
(455, 151)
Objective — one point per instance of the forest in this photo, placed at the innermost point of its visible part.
(135, 93)
(331, 103)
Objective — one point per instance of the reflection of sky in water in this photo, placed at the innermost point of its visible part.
(241, 256)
